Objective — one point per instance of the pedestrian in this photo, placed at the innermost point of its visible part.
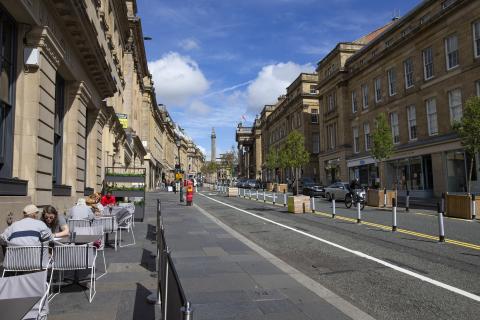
(56, 222)
(108, 200)
(29, 231)
(81, 211)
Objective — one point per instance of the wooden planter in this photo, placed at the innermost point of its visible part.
(375, 197)
(232, 192)
(298, 204)
(459, 206)
(282, 187)
(270, 186)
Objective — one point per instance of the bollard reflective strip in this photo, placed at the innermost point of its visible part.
(394, 214)
(187, 311)
(441, 229)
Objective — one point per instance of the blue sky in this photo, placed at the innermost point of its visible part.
(214, 61)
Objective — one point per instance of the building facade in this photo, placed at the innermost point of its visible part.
(418, 70)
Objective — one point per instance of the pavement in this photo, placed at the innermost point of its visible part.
(227, 276)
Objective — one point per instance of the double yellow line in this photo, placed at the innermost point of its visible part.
(404, 231)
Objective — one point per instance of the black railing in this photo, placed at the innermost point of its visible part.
(170, 294)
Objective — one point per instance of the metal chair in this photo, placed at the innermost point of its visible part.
(94, 230)
(73, 223)
(109, 224)
(126, 225)
(26, 259)
(30, 285)
(73, 257)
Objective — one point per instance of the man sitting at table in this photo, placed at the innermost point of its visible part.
(81, 211)
(29, 231)
(108, 200)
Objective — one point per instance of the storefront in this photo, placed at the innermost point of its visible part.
(414, 174)
(458, 168)
(365, 170)
(332, 171)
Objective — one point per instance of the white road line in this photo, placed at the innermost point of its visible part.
(363, 255)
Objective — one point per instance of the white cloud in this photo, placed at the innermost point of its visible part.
(272, 82)
(199, 108)
(177, 78)
(189, 44)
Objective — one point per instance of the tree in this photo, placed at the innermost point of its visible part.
(272, 160)
(382, 147)
(293, 154)
(468, 130)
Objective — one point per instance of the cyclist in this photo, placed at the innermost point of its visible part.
(354, 185)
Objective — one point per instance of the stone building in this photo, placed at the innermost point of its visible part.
(419, 70)
(75, 92)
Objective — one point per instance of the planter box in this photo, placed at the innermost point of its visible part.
(459, 206)
(138, 179)
(375, 198)
(128, 193)
(298, 204)
(270, 186)
(13, 187)
(61, 190)
(139, 212)
(232, 192)
(282, 187)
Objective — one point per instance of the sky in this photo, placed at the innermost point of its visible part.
(216, 63)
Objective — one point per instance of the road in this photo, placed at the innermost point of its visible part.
(388, 275)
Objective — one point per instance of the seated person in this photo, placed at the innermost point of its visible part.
(93, 201)
(56, 222)
(108, 200)
(29, 231)
(81, 211)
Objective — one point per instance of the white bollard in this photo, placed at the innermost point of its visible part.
(441, 229)
(359, 213)
(384, 197)
(274, 195)
(257, 194)
(333, 206)
(250, 194)
(284, 198)
(394, 215)
(313, 204)
(474, 208)
(264, 198)
(407, 202)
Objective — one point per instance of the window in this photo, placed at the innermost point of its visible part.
(455, 104)
(392, 82)
(412, 122)
(378, 90)
(332, 136)
(427, 63)
(331, 102)
(451, 52)
(408, 68)
(315, 143)
(478, 88)
(447, 3)
(366, 132)
(356, 141)
(354, 102)
(365, 96)
(476, 39)
(431, 105)
(7, 87)
(314, 116)
(58, 129)
(313, 89)
(395, 127)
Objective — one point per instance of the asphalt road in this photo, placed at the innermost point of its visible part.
(388, 275)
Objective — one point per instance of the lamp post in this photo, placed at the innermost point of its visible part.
(178, 142)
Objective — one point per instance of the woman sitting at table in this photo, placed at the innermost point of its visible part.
(93, 201)
(56, 222)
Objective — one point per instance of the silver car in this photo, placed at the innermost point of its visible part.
(339, 189)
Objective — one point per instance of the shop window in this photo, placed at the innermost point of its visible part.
(456, 171)
(58, 130)
(7, 92)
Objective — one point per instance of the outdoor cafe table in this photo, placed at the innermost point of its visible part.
(80, 239)
(17, 308)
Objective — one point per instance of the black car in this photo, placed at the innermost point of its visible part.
(252, 184)
(313, 190)
(241, 183)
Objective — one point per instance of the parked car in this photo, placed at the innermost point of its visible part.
(241, 183)
(339, 189)
(252, 184)
(313, 190)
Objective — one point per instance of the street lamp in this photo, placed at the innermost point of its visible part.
(178, 142)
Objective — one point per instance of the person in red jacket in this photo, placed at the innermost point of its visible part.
(108, 200)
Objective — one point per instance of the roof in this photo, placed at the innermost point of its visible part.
(374, 34)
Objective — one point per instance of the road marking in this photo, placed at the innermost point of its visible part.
(363, 255)
(338, 302)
